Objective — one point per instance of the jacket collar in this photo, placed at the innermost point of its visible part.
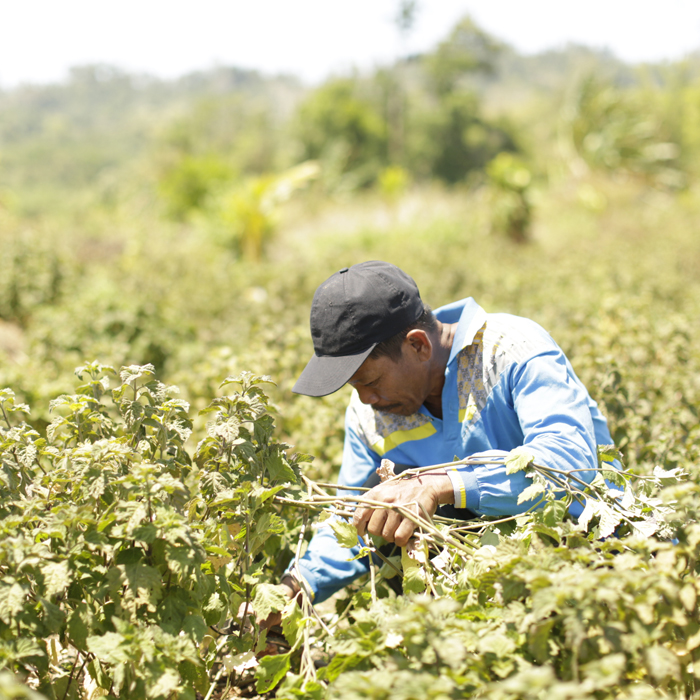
(468, 316)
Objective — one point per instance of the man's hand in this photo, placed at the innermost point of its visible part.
(424, 492)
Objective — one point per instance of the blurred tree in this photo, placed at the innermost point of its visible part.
(431, 125)
(406, 16)
(509, 204)
(186, 185)
(447, 135)
(674, 97)
(218, 140)
(468, 49)
(61, 141)
(240, 130)
(247, 213)
(344, 130)
(396, 88)
(449, 139)
(605, 128)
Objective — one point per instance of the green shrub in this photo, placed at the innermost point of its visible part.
(121, 556)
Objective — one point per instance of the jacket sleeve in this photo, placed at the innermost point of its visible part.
(325, 565)
(552, 409)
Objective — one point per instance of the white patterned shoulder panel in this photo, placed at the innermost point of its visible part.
(383, 431)
(502, 340)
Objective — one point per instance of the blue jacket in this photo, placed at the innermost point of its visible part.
(507, 384)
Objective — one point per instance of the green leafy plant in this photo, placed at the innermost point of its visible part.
(122, 558)
(126, 562)
(527, 605)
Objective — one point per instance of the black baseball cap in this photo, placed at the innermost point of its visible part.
(353, 311)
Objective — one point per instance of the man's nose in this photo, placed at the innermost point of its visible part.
(367, 395)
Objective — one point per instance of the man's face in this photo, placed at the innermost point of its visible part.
(393, 387)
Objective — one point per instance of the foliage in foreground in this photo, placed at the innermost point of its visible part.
(123, 559)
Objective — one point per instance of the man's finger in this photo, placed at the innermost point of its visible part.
(375, 526)
(404, 532)
(360, 518)
(391, 524)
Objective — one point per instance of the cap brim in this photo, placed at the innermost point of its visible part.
(324, 375)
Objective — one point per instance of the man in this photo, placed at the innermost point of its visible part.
(430, 387)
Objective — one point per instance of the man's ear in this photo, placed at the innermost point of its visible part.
(418, 342)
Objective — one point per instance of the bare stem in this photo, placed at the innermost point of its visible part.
(4, 413)
(220, 672)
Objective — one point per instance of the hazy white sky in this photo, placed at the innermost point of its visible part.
(41, 39)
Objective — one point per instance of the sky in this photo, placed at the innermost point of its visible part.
(41, 39)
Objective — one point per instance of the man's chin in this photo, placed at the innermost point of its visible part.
(395, 409)
(389, 408)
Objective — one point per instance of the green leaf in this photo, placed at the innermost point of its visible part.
(292, 623)
(269, 524)
(339, 664)
(195, 627)
(300, 458)
(552, 532)
(132, 555)
(531, 492)
(361, 554)
(54, 617)
(108, 647)
(214, 609)
(490, 537)
(56, 577)
(693, 641)
(554, 513)
(168, 682)
(268, 599)
(271, 671)
(78, 629)
(609, 520)
(345, 533)
(94, 668)
(605, 672)
(688, 597)
(144, 583)
(496, 643)
(614, 477)
(517, 460)
(173, 610)
(608, 453)
(538, 640)
(598, 482)
(413, 574)
(195, 677)
(26, 648)
(387, 570)
(661, 663)
(279, 470)
(247, 379)
(12, 599)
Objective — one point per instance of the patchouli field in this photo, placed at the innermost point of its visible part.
(157, 474)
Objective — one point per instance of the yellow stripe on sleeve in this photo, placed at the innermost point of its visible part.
(458, 486)
(382, 446)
